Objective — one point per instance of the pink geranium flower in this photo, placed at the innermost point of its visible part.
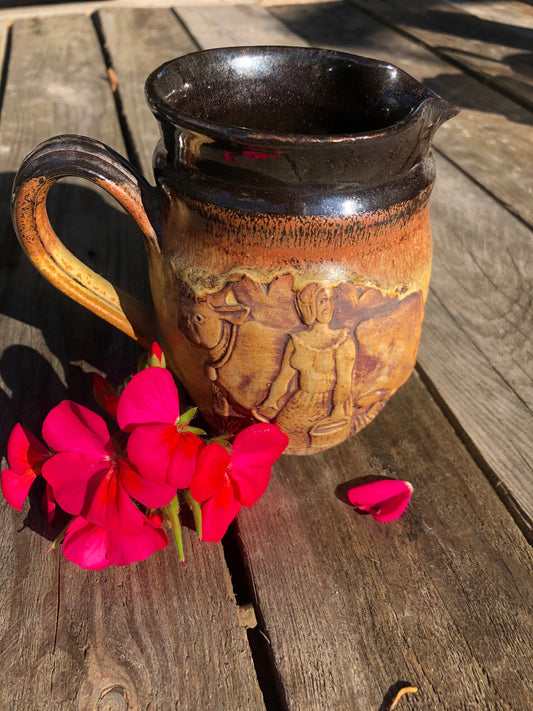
(25, 456)
(93, 547)
(90, 477)
(224, 481)
(384, 500)
(162, 445)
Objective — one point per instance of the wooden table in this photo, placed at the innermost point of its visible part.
(306, 605)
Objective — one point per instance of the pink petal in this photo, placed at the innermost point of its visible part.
(183, 462)
(24, 451)
(162, 454)
(48, 504)
(151, 493)
(109, 506)
(150, 397)
(254, 451)
(85, 545)
(210, 471)
(122, 550)
(150, 449)
(73, 428)
(218, 512)
(93, 547)
(384, 500)
(15, 487)
(69, 474)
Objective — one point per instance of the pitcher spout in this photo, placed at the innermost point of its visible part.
(432, 112)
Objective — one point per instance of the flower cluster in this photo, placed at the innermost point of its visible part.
(123, 489)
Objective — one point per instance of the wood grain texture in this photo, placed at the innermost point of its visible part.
(153, 634)
(477, 347)
(499, 51)
(481, 280)
(29, 9)
(235, 26)
(157, 37)
(511, 12)
(491, 131)
(441, 598)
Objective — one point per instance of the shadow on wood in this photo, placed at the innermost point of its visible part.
(67, 340)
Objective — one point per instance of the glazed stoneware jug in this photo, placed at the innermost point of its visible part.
(287, 235)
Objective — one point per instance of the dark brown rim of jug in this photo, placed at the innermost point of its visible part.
(204, 92)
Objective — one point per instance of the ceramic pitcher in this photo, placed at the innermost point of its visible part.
(287, 234)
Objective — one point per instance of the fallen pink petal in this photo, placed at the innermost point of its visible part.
(384, 500)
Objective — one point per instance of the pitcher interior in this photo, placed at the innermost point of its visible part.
(281, 91)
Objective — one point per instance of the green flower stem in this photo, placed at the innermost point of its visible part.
(172, 512)
(196, 512)
(60, 538)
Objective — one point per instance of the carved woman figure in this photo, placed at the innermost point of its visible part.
(321, 361)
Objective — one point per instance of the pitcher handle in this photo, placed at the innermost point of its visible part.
(82, 157)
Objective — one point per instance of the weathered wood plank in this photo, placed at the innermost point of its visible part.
(481, 279)
(30, 10)
(234, 26)
(498, 51)
(510, 12)
(3, 41)
(155, 634)
(477, 347)
(157, 37)
(441, 598)
(490, 132)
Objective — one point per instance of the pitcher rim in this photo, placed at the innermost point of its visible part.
(161, 108)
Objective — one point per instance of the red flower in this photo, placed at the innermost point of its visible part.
(384, 500)
(94, 547)
(89, 477)
(157, 357)
(226, 482)
(25, 456)
(161, 444)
